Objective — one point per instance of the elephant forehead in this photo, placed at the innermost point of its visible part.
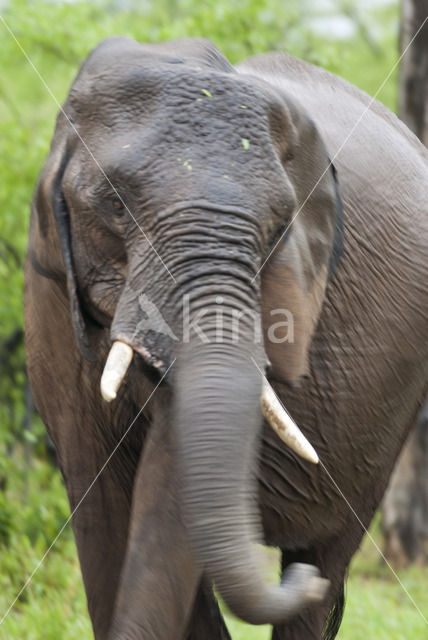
(178, 92)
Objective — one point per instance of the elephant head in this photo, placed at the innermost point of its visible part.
(181, 197)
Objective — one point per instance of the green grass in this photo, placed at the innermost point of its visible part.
(378, 605)
(53, 605)
(32, 511)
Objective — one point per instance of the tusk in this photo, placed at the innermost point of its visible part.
(284, 425)
(116, 366)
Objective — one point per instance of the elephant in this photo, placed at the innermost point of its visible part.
(203, 236)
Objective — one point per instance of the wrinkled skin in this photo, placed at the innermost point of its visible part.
(213, 163)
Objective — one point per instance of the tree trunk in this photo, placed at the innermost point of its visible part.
(413, 82)
(405, 506)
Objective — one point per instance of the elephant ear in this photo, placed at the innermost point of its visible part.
(295, 277)
(49, 257)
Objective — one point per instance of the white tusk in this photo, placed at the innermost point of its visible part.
(284, 425)
(116, 366)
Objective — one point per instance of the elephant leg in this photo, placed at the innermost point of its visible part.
(206, 622)
(319, 619)
(160, 577)
(100, 524)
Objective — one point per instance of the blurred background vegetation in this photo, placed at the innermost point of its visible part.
(355, 39)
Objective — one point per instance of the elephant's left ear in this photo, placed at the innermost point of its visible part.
(295, 277)
(51, 211)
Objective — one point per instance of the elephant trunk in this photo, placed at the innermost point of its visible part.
(216, 414)
(218, 423)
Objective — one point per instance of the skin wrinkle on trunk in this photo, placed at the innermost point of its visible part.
(218, 494)
(213, 431)
(234, 273)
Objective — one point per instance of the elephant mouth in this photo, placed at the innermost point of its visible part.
(153, 348)
(121, 356)
(151, 368)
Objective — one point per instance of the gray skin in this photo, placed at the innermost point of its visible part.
(199, 477)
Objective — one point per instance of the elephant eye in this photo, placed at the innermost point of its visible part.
(279, 237)
(118, 206)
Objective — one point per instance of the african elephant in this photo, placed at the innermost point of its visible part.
(177, 186)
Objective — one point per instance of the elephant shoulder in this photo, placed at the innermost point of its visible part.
(332, 102)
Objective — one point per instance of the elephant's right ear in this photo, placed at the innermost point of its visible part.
(50, 207)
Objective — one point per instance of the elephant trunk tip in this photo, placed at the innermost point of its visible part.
(301, 587)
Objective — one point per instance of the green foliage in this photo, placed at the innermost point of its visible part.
(33, 510)
(6, 522)
(34, 503)
(53, 605)
(57, 36)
